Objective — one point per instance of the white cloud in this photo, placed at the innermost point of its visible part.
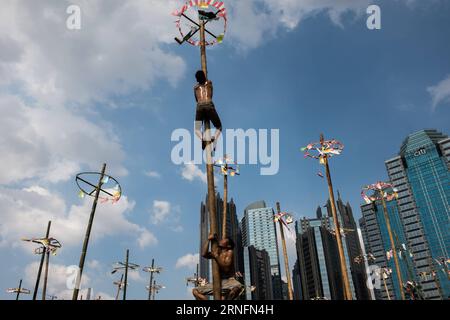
(117, 51)
(191, 172)
(152, 174)
(161, 211)
(440, 93)
(25, 214)
(189, 261)
(147, 239)
(258, 21)
(52, 144)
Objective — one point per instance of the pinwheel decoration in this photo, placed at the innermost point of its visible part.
(46, 244)
(285, 218)
(380, 188)
(360, 259)
(18, 290)
(110, 190)
(154, 269)
(119, 266)
(227, 166)
(206, 11)
(197, 282)
(323, 149)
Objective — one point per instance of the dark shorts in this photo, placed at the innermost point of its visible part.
(207, 111)
(227, 285)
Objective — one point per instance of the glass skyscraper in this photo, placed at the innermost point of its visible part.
(258, 230)
(421, 174)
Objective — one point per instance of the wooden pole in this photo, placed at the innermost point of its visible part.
(38, 280)
(286, 261)
(225, 203)
(345, 278)
(151, 280)
(125, 285)
(44, 287)
(210, 178)
(385, 285)
(20, 289)
(88, 234)
(118, 287)
(394, 249)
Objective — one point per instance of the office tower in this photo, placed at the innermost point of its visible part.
(296, 282)
(233, 231)
(352, 243)
(257, 273)
(345, 243)
(421, 174)
(319, 268)
(378, 244)
(258, 230)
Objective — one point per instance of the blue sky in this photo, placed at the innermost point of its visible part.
(113, 93)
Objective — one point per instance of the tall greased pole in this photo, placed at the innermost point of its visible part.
(44, 287)
(126, 276)
(394, 249)
(151, 280)
(88, 234)
(210, 177)
(345, 279)
(286, 261)
(20, 289)
(38, 280)
(225, 204)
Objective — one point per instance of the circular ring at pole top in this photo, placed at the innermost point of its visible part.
(47, 244)
(110, 189)
(388, 191)
(227, 166)
(188, 26)
(321, 150)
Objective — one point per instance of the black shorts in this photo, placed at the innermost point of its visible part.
(205, 112)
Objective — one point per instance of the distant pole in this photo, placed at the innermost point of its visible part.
(394, 249)
(286, 261)
(151, 280)
(126, 277)
(88, 233)
(119, 286)
(38, 280)
(385, 285)
(154, 289)
(345, 279)
(20, 289)
(225, 204)
(44, 287)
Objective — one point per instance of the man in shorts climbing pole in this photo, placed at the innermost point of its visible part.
(206, 110)
(224, 256)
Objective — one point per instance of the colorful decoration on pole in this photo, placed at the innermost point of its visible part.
(320, 150)
(118, 266)
(227, 166)
(17, 290)
(46, 244)
(284, 217)
(110, 190)
(360, 259)
(207, 11)
(387, 189)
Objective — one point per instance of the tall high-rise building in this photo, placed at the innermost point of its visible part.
(257, 273)
(378, 244)
(233, 231)
(353, 247)
(258, 230)
(296, 281)
(317, 254)
(421, 174)
(345, 243)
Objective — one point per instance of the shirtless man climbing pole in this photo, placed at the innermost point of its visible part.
(206, 110)
(224, 256)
